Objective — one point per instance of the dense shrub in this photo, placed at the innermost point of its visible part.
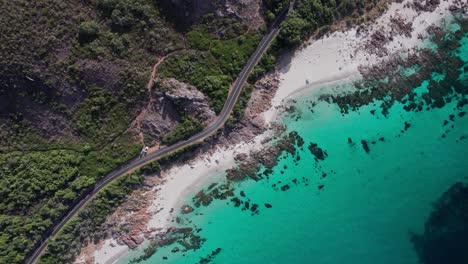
(74, 74)
(274, 7)
(37, 188)
(88, 31)
(66, 244)
(187, 128)
(310, 15)
(219, 58)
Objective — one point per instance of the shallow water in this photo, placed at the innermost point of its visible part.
(366, 206)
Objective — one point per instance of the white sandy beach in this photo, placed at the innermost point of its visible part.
(337, 56)
(178, 182)
(332, 58)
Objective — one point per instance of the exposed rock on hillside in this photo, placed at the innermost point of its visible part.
(170, 101)
(187, 99)
(248, 11)
(188, 12)
(159, 118)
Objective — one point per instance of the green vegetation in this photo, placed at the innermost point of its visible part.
(310, 15)
(88, 31)
(37, 187)
(214, 60)
(87, 224)
(72, 77)
(178, 154)
(187, 128)
(149, 169)
(72, 89)
(37, 183)
(78, 50)
(273, 8)
(37, 176)
(103, 115)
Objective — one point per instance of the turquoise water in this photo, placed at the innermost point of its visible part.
(366, 207)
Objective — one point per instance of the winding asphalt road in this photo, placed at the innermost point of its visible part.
(233, 96)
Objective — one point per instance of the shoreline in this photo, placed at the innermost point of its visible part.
(339, 55)
(333, 58)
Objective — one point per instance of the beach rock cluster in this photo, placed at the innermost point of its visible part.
(266, 158)
(255, 166)
(185, 237)
(127, 225)
(394, 80)
(186, 209)
(399, 26)
(376, 43)
(426, 5)
(252, 122)
(459, 6)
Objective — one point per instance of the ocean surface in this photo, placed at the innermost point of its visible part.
(352, 207)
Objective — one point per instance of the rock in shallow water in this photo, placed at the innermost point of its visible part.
(365, 146)
(318, 152)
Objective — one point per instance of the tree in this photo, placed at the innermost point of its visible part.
(294, 29)
(187, 128)
(88, 31)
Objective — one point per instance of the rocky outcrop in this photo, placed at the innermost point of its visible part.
(170, 100)
(188, 12)
(248, 11)
(252, 122)
(426, 5)
(187, 99)
(250, 165)
(159, 118)
(127, 225)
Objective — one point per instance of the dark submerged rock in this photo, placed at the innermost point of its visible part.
(365, 146)
(407, 125)
(445, 237)
(317, 151)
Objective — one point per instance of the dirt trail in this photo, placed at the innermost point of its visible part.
(136, 123)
